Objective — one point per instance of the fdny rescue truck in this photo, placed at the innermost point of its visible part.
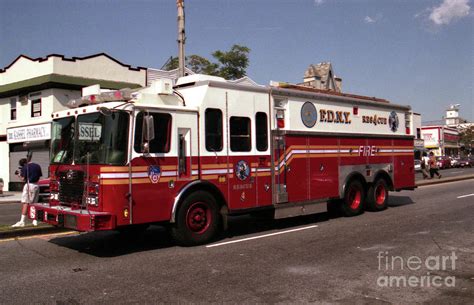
(193, 154)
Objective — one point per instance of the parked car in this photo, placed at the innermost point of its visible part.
(443, 162)
(454, 162)
(417, 165)
(43, 190)
(464, 162)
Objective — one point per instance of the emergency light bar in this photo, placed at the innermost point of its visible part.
(103, 97)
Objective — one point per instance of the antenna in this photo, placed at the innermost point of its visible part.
(181, 37)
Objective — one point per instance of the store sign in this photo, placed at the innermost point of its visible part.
(29, 133)
(419, 144)
(430, 136)
(451, 138)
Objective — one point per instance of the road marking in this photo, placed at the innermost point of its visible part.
(38, 236)
(261, 236)
(456, 172)
(468, 195)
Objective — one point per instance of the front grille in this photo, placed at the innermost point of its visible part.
(71, 187)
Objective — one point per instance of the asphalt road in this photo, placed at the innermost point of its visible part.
(301, 260)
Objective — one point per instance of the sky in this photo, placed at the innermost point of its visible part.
(411, 52)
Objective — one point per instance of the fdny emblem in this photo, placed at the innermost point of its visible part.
(154, 173)
(309, 116)
(242, 170)
(393, 121)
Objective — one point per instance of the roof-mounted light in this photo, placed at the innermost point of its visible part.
(103, 97)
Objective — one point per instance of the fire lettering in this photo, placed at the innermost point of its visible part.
(368, 151)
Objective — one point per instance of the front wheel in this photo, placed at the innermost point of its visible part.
(198, 220)
(377, 196)
(353, 201)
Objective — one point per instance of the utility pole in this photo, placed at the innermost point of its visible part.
(181, 37)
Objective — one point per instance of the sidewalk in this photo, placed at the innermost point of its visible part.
(8, 197)
(10, 209)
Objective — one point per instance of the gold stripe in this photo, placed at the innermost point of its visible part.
(214, 166)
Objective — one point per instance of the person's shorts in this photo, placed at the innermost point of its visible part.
(30, 193)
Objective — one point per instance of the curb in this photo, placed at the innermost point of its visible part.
(30, 231)
(443, 180)
(9, 202)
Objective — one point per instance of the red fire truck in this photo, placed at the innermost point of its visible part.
(192, 154)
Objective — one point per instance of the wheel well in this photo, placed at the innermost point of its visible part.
(386, 177)
(197, 185)
(352, 177)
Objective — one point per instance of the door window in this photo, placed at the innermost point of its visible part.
(240, 134)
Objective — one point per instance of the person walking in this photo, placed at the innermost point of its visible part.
(433, 166)
(425, 161)
(30, 173)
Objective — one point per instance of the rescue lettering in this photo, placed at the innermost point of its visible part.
(374, 119)
(368, 151)
(338, 117)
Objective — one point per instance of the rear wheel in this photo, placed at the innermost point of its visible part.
(377, 196)
(353, 201)
(198, 220)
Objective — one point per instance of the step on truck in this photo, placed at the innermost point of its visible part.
(191, 154)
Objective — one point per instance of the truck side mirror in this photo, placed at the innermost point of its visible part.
(148, 132)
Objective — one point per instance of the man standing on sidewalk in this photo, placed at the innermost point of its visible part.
(30, 173)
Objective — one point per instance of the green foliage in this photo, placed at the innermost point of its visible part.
(467, 136)
(230, 65)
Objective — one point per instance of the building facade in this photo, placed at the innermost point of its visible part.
(441, 140)
(32, 89)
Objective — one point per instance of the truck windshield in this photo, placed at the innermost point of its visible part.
(98, 139)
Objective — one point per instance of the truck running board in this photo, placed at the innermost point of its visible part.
(300, 208)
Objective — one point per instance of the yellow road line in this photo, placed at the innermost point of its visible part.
(39, 236)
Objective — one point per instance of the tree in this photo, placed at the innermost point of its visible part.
(234, 63)
(466, 137)
(230, 65)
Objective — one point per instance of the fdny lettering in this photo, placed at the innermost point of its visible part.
(368, 151)
(329, 116)
(368, 119)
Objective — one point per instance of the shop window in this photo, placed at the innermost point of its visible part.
(213, 129)
(261, 127)
(13, 108)
(240, 134)
(162, 129)
(36, 108)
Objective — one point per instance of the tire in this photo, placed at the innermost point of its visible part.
(198, 220)
(377, 196)
(353, 201)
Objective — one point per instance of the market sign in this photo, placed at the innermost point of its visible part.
(29, 133)
(430, 137)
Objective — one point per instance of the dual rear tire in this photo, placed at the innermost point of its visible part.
(357, 198)
(377, 196)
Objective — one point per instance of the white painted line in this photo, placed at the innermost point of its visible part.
(463, 196)
(261, 236)
(457, 172)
